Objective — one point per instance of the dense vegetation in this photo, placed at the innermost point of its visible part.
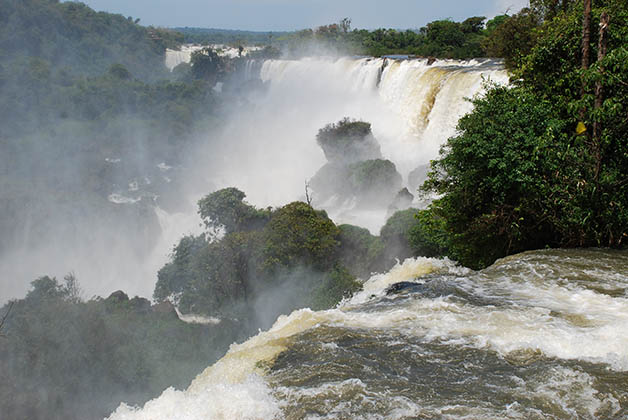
(64, 358)
(441, 39)
(540, 163)
(73, 37)
(250, 255)
(543, 162)
(206, 36)
(355, 168)
(87, 107)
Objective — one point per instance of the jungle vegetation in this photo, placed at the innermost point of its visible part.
(543, 162)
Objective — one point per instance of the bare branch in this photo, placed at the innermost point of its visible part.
(4, 318)
(308, 197)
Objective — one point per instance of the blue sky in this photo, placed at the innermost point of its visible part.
(280, 15)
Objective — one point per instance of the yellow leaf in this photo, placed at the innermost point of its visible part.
(581, 128)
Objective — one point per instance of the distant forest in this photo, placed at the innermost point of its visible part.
(228, 36)
(445, 38)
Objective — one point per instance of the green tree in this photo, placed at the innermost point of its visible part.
(227, 209)
(207, 65)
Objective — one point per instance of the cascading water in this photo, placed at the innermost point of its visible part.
(413, 108)
(535, 336)
(184, 53)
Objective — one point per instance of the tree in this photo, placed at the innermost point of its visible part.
(4, 318)
(348, 141)
(513, 38)
(473, 24)
(226, 209)
(207, 65)
(299, 235)
(345, 25)
(586, 35)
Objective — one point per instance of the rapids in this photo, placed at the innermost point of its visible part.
(537, 335)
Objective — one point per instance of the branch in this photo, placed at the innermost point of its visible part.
(308, 197)
(4, 318)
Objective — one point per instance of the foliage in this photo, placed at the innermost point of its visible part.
(226, 209)
(338, 284)
(71, 35)
(299, 235)
(442, 39)
(207, 65)
(355, 168)
(413, 233)
(67, 359)
(513, 38)
(517, 176)
(361, 252)
(395, 233)
(263, 252)
(206, 36)
(375, 175)
(348, 140)
(177, 275)
(428, 236)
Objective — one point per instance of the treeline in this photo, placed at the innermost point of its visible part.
(79, 90)
(65, 358)
(543, 162)
(205, 36)
(72, 36)
(441, 39)
(255, 264)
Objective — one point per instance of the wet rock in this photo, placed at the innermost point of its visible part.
(117, 297)
(418, 176)
(403, 287)
(140, 304)
(402, 201)
(165, 308)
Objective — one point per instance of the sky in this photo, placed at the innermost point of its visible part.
(287, 15)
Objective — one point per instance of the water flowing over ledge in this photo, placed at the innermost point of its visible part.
(537, 335)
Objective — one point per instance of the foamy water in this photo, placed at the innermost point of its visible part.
(542, 337)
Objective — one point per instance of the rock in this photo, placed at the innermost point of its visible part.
(402, 201)
(165, 308)
(403, 287)
(370, 183)
(140, 304)
(348, 141)
(418, 176)
(117, 296)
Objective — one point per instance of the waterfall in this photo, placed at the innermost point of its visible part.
(182, 55)
(413, 108)
(537, 335)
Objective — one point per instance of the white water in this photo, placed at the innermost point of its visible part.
(268, 150)
(184, 53)
(543, 313)
(413, 111)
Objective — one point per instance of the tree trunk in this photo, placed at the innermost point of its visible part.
(586, 48)
(586, 35)
(599, 92)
